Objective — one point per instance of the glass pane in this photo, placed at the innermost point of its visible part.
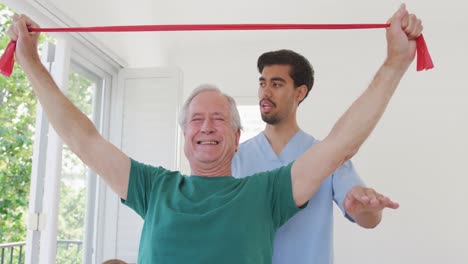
(75, 174)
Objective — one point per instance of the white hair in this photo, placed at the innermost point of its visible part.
(236, 122)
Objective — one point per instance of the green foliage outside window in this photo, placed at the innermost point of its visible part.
(17, 118)
(17, 121)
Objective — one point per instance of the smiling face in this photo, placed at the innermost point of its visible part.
(210, 139)
(278, 98)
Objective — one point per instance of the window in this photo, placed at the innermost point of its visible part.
(77, 181)
(63, 210)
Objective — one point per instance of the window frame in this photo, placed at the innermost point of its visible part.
(82, 50)
(42, 230)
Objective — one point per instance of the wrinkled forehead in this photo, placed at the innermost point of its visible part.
(209, 102)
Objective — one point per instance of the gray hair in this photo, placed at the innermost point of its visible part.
(236, 122)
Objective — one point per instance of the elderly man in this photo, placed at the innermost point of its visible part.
(211, 217)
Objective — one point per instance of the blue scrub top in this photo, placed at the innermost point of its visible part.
(308, 236)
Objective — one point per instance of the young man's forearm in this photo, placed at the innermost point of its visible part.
(368, 219)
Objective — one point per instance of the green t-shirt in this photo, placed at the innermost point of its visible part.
(195, 219)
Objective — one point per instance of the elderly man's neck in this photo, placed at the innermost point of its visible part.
(211, 170)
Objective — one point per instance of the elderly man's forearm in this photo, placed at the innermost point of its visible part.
(69, 122)
(346, 137)
(354, 127)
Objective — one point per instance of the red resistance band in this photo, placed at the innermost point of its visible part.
(424, 61)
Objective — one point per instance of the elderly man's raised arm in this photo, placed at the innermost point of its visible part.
(353, 128)
(76, 130)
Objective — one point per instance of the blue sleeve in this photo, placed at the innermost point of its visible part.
(344, 179)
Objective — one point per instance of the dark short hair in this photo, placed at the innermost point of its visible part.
(301, 72)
